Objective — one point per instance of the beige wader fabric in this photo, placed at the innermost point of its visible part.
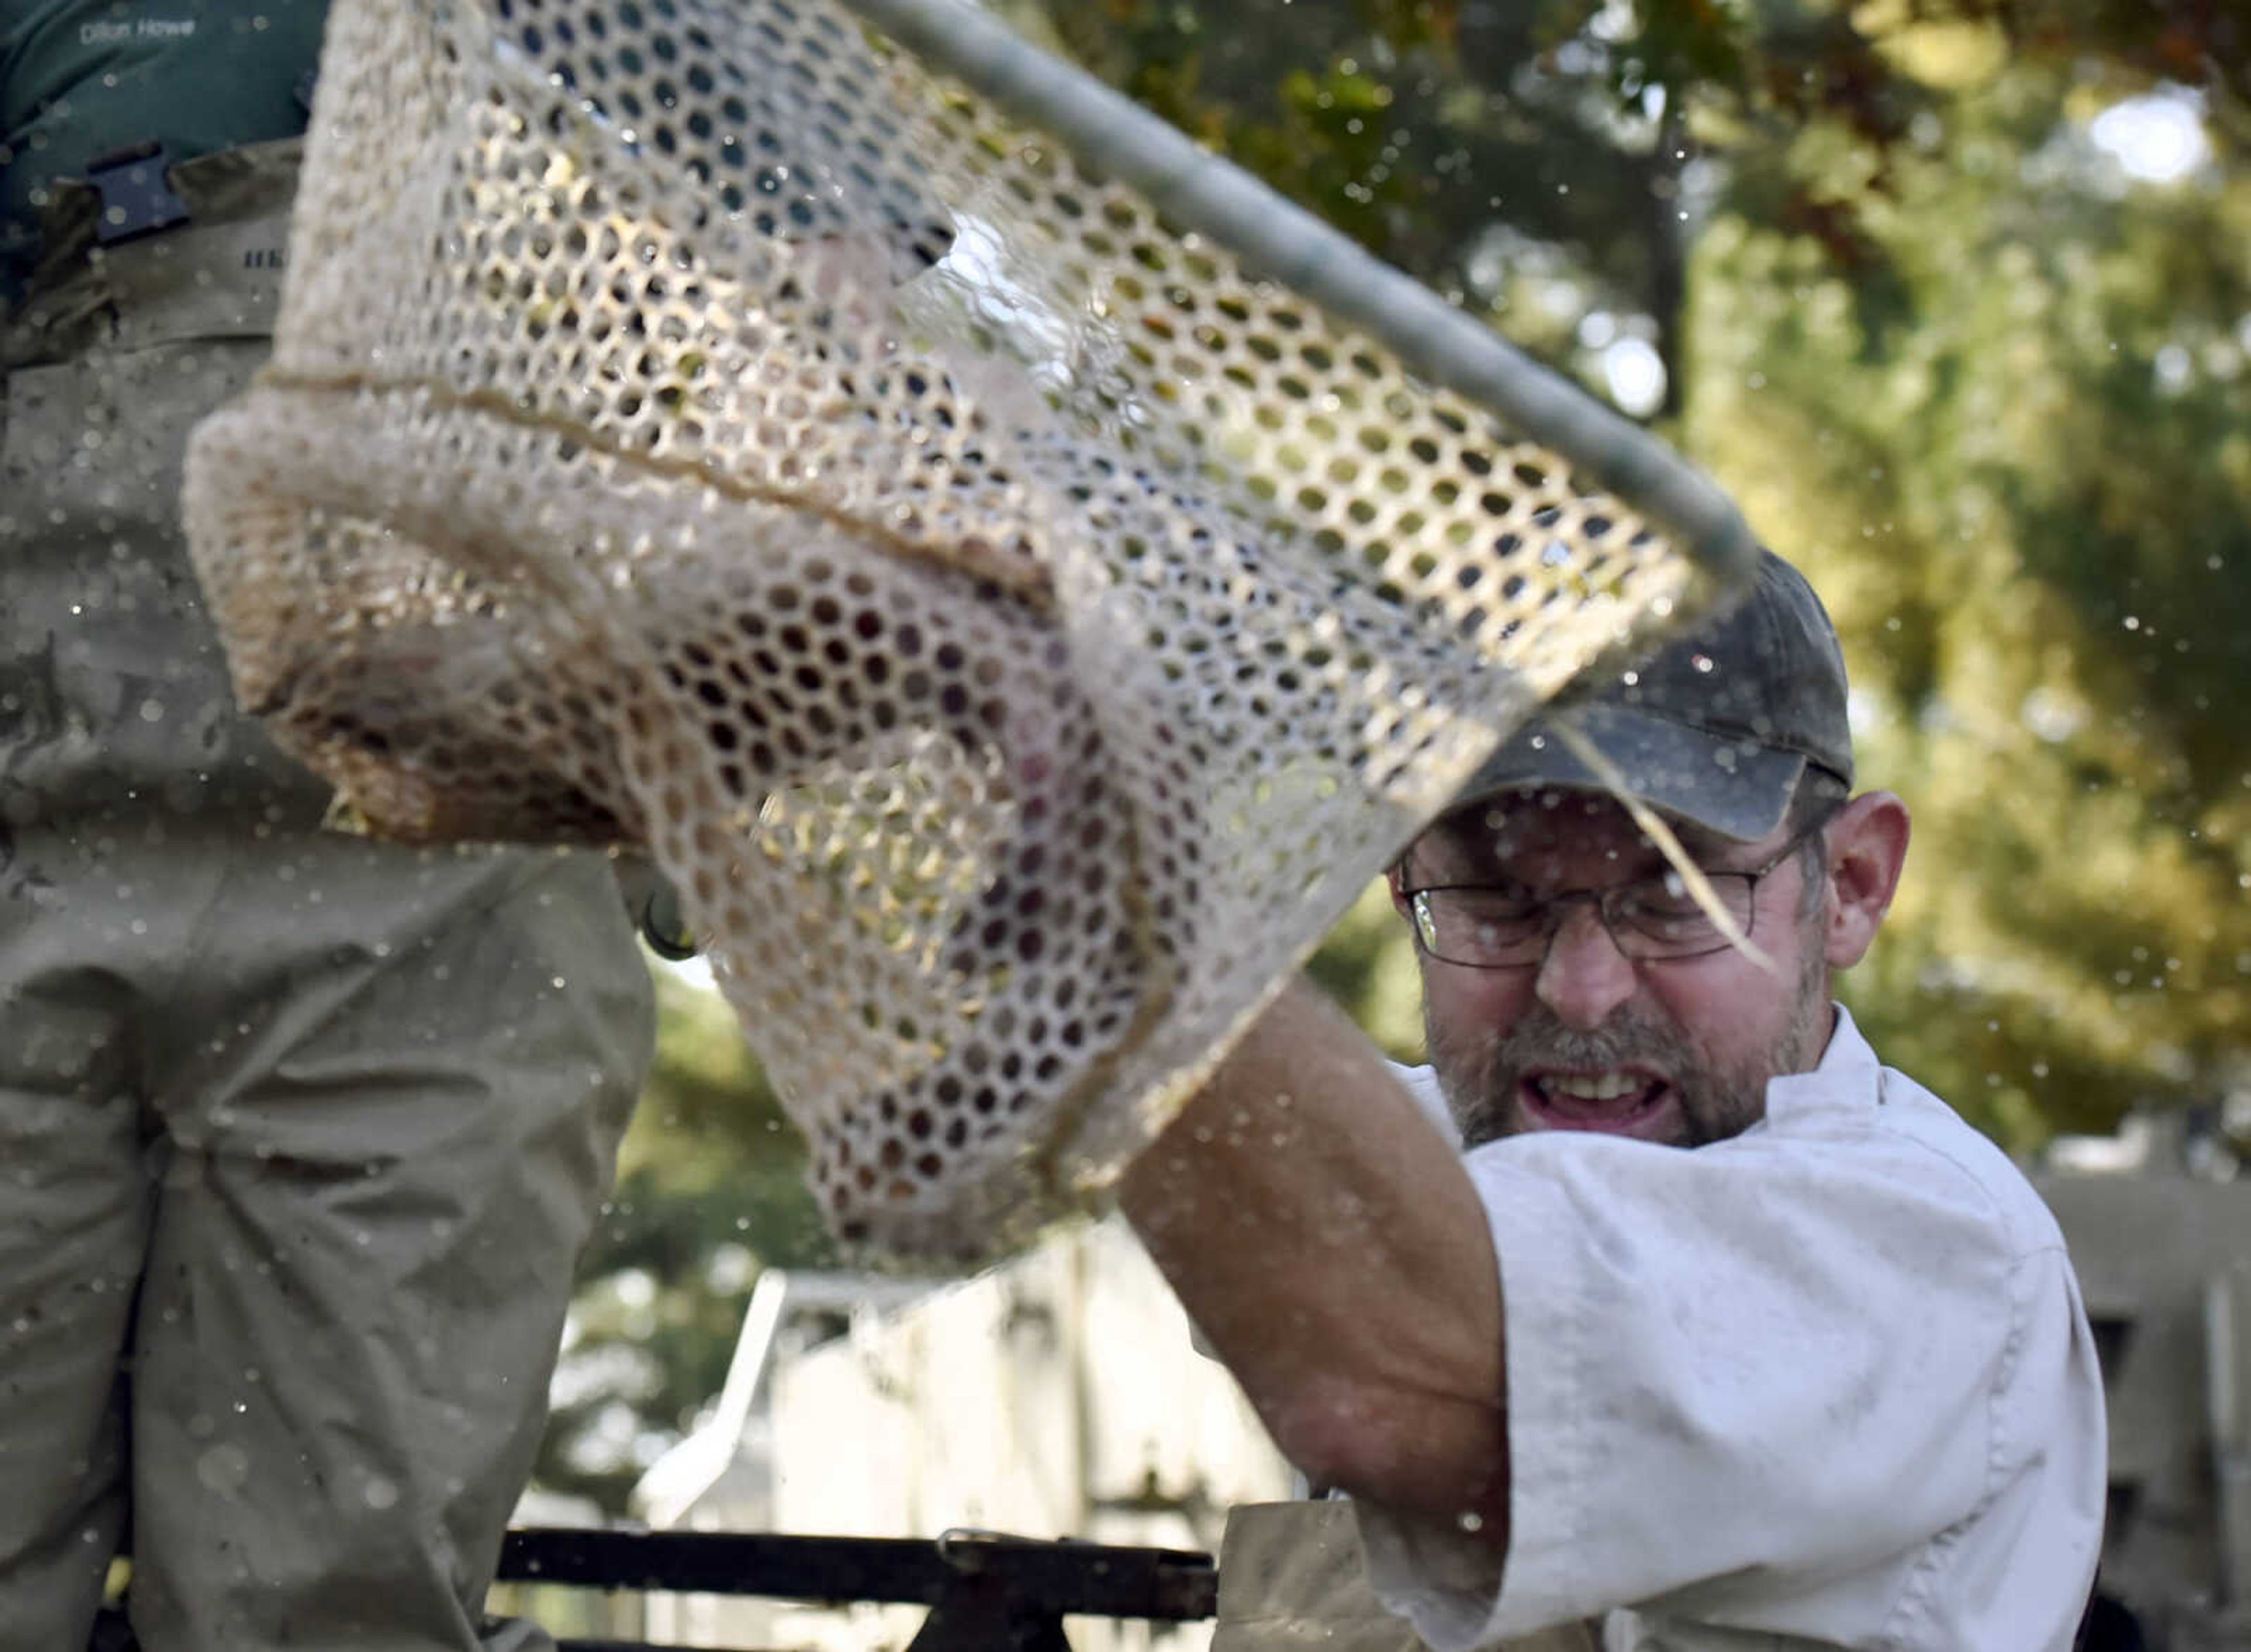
(1291, 1580)
(301, 1135)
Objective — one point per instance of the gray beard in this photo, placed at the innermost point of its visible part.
(1479, 1074)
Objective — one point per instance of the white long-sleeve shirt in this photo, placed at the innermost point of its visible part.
(1828, 1381)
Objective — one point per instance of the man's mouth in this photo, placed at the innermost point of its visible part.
(1614, 1101)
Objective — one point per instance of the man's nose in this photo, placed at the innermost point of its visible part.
(1584, 976)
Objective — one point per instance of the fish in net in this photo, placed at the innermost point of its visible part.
(1017, 578)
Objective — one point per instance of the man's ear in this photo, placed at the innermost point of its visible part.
(1867, 847)
(1393, 876)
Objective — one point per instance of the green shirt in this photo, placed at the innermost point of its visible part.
(81, 78)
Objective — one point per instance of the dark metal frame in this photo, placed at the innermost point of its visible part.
(985, 1592)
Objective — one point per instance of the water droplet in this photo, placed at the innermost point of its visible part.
(224, 1469)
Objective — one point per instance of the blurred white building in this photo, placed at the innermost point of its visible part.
(1057, 1396)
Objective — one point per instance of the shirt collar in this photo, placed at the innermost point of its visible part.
(1846, 1075)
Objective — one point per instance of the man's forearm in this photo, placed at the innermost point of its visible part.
(1328, 1241)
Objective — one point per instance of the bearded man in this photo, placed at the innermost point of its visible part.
(1704, 1329)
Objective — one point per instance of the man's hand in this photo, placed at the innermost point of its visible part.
(1326, 1240)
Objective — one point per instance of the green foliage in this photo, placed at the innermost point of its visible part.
(2020, 482)
(1418, 128)
(1368, 964)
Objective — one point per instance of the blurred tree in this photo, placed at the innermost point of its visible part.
(1512, 156)
(2021, 479)
(1551, 161)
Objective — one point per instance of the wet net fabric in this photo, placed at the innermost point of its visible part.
(1017, 628)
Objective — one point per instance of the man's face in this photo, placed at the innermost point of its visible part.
(1676, 1051)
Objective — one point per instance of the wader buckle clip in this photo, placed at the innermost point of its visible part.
(135, 199)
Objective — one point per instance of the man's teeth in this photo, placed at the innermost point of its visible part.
(1594, 1086)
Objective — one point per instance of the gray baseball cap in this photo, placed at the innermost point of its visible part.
(1716, 727)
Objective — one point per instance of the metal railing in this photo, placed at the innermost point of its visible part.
(987, 1592)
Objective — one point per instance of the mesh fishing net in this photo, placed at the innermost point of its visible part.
(1016, 622)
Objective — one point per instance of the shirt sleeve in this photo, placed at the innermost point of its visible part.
(1733, 1374)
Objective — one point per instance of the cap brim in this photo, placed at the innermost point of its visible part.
(1738, 789)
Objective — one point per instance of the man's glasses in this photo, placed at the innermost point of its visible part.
(1483, 927)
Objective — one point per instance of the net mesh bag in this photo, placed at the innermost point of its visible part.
(1016, 622)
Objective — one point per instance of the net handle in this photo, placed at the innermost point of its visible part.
(1282, 240)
